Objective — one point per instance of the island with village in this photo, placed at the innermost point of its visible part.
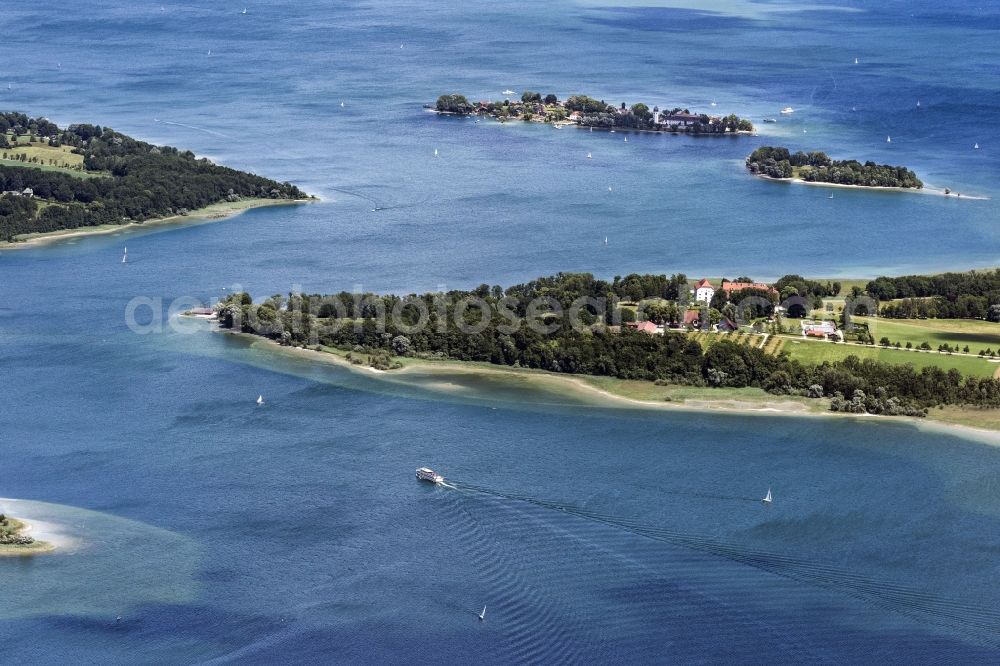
(587, 112)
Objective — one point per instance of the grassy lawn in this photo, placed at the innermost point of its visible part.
(49, 158)
(972, 332)
(817, 352)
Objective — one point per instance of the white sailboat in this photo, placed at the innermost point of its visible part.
(435, 152)
(341, 105)
(767, 498)
(244, 11)
(626, 139)
(125, 255)
(830, 197)
(482, 616)
(260, 400)
(855, 61)
(605, 240)
(918, 103)
(976, 147)
(888, 139)
(609, 188)
(590, 157)
(714, 104)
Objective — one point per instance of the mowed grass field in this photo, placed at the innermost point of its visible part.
(809, 351)
(978, 335)
(50, 158)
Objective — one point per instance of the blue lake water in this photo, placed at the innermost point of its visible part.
(295, 532)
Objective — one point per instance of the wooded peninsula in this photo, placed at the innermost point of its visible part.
(55, 179)
(817, 167)
(586, 111)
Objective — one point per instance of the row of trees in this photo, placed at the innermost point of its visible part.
(144, 182)
(777, 162)
(438, 325)
(971, 295)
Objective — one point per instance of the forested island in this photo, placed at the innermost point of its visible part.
(587, 111)
(817, 167)
(82, 176)
(640, 327)
(13, 542)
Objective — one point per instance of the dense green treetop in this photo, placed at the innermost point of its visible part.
(779, 162)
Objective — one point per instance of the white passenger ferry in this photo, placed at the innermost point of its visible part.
(427, 474)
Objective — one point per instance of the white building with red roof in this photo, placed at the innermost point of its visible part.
(703, 291)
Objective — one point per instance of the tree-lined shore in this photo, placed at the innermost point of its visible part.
(114, 179)
(507, 327)
(817, 167)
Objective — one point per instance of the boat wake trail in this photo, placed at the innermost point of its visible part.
(376, 204)
(978, 623)
(536, 627)
(194, 127)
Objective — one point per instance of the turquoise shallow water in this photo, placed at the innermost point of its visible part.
(296, 532)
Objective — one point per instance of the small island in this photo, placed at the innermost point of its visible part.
(584, 111)
(88, 177)
(816, 167)
(14, 542)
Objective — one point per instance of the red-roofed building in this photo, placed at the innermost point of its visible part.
(644, 326)
(692, 317)
(729, 287)
(704, 291)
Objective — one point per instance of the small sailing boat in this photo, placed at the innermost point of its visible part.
(435, 152)
(605, 240)
(976, 147)
(244, 11)
(888, 139)
(609, 188)
(260, 401)
(341, 105)
(855, 61)
(591, 129)
(125, 256)
(714, 104)
(482, 615)
(590, 157)
(918, 103)
(210, 52)
(626, 139)
(767, 498)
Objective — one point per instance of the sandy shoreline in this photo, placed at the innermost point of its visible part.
(212, 213)
(935, 191)
(579, 384)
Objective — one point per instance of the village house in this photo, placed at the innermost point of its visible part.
(692, 318)
(681, 119)
(704, 291)
(645, 327)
